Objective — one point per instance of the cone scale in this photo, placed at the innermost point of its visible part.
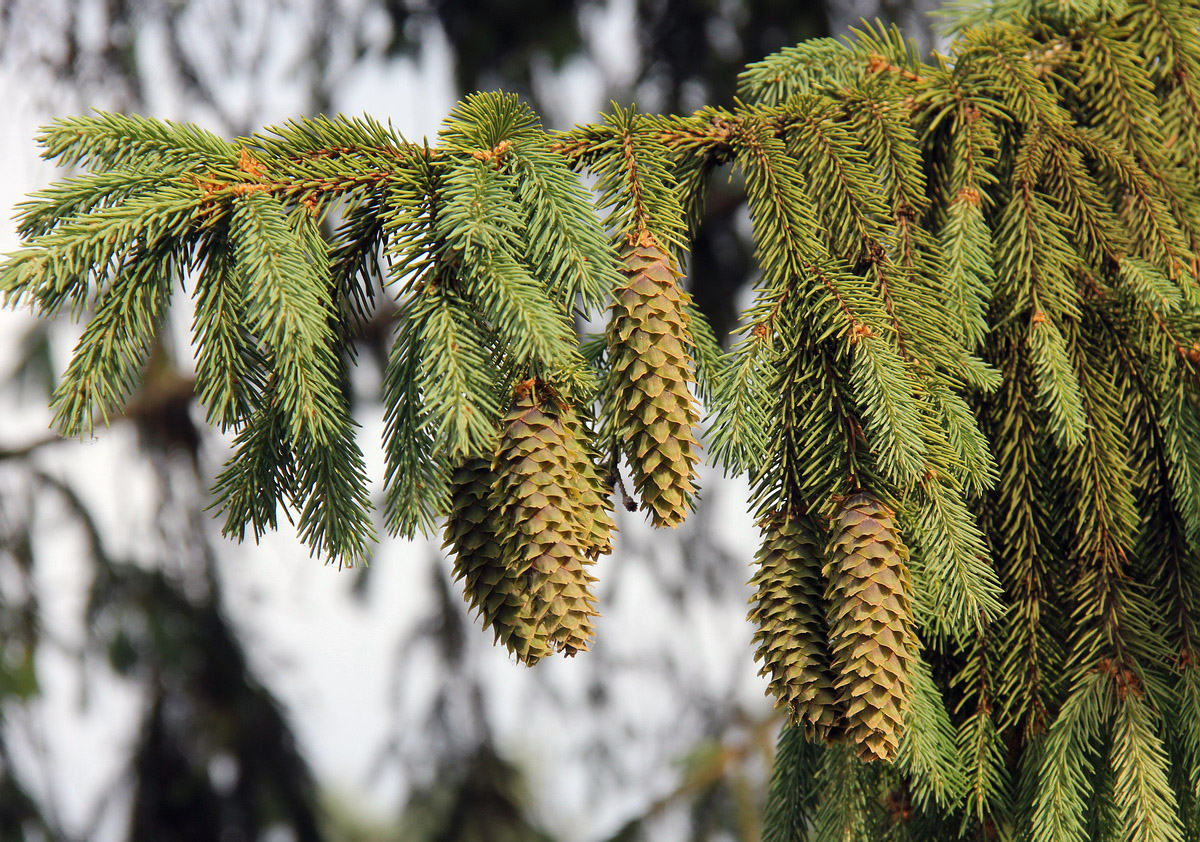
(871, 630)
(553, 519)
(472, 532)
(650, 383)
(788, 612)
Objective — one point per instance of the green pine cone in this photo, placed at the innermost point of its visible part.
(554, 518)
(789, 613)
(871, 630)
(652, 403)
(489, 587)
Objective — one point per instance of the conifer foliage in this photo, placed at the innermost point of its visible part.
(965, 393)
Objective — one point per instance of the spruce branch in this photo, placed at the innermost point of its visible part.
(928, 753)
(129, 142)
(975, 335)
(1062, 780)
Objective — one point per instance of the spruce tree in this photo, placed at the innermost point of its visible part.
(965, 394)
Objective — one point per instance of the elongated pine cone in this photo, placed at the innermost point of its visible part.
(652, 369)
(871, 630)
(554, 519)
(490, 588)
(789, 613)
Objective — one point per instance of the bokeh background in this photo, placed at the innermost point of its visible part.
(158, 682)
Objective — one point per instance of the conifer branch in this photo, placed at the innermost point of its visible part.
(975, 337)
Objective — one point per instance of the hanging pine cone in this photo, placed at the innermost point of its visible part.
(653, 407)
(553, 519)
(870, 624)
(596, 529)
(490, 588)
(789, 613)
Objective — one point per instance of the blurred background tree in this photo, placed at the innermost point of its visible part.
(116, 593)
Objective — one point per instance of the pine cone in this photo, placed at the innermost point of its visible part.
(554, 519)
(789, 613)
(653, 407)
(471, 531)
(870, 624)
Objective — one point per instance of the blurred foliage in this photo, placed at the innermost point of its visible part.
(216, 758)
(481, 800)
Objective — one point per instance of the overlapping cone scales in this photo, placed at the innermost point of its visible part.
(870, 624)
(652, 368)
(553, 519)
(789, 613)
(479, 563)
